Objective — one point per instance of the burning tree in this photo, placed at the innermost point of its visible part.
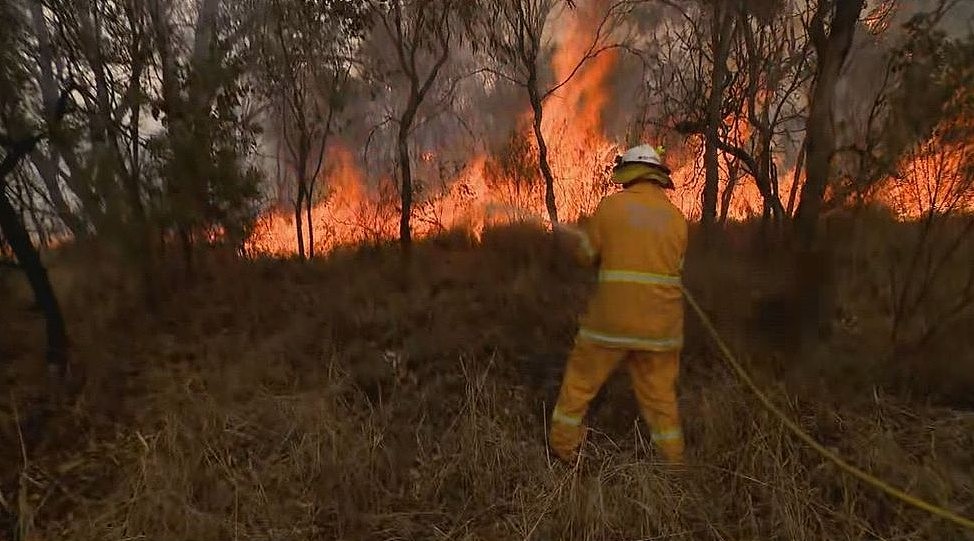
(306, 58)
(934, 184)
(514, 173)
(935, 178)
(723, 21)
(732, 76)
(775, 56)
(912, 92)
(421, 35)
(519, 33)
(687, 78)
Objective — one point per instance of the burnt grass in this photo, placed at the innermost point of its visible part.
(361, 396)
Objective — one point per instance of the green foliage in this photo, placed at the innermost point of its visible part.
(206, 185)
(927, 66)
(932, 71)
(927, 96)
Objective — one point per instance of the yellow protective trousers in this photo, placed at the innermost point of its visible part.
(653, 375)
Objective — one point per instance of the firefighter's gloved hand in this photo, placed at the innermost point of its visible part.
(569, 229)
(566, 236)
(579, 241)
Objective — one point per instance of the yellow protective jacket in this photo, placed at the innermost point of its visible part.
(638, 238)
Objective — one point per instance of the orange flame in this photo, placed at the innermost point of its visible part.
(495, 189)
(934, 178)
(485, 191)
(349, 212)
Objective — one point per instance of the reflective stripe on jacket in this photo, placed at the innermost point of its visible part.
(638, 238)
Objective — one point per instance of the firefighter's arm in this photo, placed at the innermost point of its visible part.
(586, 239)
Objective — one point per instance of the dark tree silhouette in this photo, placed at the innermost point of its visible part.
(29, 259)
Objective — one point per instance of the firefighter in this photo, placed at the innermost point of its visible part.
(637, 238)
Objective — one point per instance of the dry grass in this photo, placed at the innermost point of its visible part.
(347, 399)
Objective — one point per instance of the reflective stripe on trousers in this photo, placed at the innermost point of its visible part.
(639, 278)
(667, 435)
(560, 417)
(653, 377)
(664, 344)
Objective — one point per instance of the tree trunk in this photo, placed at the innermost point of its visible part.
(419, 87)
(298, 226)
(308, 204)
(817, 163)
(27, 255)
(145, 240)
(774, 209)
(167, 64)
(48, 169)
(775, 187)
(186, 241)
(728, 194)
(796, 178)
(723, 29)
(814, 267)
(313, 180)
(549, 178)
(820, 139)
(406, 188)
(766, 183)
(132, 179)
(711, 186)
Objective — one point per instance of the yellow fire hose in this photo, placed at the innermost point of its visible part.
(809, 440)
(793, 427)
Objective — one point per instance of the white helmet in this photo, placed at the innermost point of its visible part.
(642, 154)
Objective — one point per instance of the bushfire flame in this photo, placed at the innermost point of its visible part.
(507, 187)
